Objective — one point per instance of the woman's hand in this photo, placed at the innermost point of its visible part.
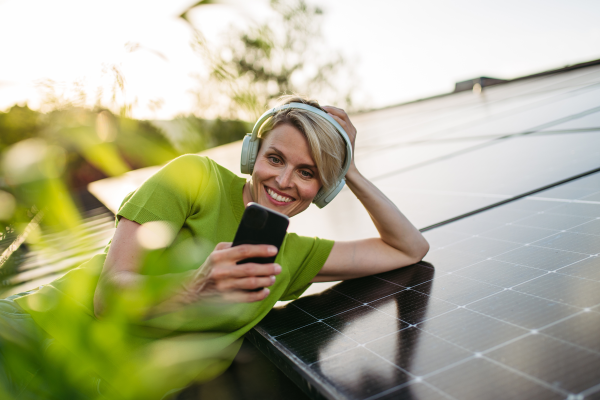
(221, 279)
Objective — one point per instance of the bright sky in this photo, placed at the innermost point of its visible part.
(401, 50)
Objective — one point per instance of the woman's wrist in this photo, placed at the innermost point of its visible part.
(353, 175)
(189, 292)
(194, 285)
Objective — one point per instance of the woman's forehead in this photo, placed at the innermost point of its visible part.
(291, 143)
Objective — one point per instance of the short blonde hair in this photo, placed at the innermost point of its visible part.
(327, 148)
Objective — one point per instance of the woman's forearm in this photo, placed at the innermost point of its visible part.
(393, 227)
(143, 295)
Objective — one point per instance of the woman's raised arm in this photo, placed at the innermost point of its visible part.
(399, 243)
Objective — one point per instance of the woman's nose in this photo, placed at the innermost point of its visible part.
(285, 178)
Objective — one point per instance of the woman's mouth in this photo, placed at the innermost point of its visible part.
(277, 198)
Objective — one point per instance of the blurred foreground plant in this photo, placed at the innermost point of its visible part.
(77, 356)
(118, 357)
(45, 160)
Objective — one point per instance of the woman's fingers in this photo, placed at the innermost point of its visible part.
(341, 121)
(338, 114)
(238, 253)
(249, 283)
(234, 282)
(223, 245)
(245, 270)
(336, 111)
(342, 118)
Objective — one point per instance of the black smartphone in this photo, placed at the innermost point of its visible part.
(261, 225)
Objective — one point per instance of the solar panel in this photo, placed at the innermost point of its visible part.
(588, 121)
(451, 186)
(501, 110)
(507, 305)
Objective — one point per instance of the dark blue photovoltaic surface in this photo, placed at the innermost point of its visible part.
(506, 305)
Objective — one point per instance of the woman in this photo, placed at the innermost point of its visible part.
(300, 154)
(286, 168)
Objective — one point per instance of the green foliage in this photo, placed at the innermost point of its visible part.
(257, 65)
(20, 122)
(190, 134)
(44, 157)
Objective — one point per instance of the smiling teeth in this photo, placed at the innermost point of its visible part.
(278, 197)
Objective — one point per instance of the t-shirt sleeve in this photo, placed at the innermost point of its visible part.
(308, 255)
(170, 194)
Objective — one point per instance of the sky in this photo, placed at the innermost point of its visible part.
(399, 50)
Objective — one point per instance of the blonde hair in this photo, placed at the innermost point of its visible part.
(327, 148)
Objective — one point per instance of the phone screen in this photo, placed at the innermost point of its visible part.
(261, 225)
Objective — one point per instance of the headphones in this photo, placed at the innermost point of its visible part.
(252, 143)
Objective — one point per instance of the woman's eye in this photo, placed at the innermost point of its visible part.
(306, 174)
(274, 160)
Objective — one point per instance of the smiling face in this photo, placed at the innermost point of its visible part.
(285, 177)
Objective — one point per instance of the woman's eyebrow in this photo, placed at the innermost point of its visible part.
(276, 150)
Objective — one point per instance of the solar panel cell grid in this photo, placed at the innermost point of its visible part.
(463, 327)
(480, 378)
(354, 381)
(500, 273)
(413, 315)
(586, 268)
(577, 370)
(363, 324)
(507, 305)
(417, 352)
(582, 330)
(419, 390)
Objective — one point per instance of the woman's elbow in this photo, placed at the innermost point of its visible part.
(420, 250)
(424, 249)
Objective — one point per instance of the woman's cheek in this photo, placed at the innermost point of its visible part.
(311, 190)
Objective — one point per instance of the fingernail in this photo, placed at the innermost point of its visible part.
(267, 291)
(277, 268)
(272, 279)
(272, 250)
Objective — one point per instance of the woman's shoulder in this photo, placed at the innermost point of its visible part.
(190, 161)
(196, 162)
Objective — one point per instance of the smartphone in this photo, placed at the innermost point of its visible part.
(261, 225)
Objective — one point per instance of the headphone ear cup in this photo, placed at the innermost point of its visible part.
(253, 153)
(244, 165)
(325, 197)
(249, 152)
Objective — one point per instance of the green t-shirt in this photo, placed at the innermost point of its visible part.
(203, 202)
